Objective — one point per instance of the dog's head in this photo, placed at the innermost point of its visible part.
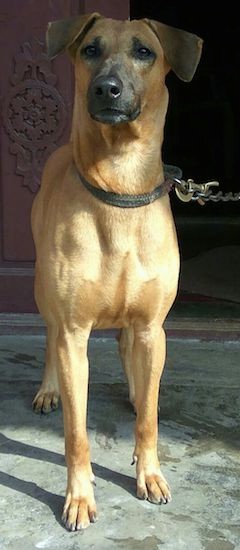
(120, 66)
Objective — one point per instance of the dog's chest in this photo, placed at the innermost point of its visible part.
(129, 287)
(123, 274)
(117, 267)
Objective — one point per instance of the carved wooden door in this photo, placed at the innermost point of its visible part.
(36, 100)
(36, 105)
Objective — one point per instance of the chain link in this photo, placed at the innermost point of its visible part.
(190, 191)
(218, 197)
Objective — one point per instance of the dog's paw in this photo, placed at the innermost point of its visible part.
(45, 401)
(78, 513)
(151, 484)
(154, 488)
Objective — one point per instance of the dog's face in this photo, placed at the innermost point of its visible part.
(120, 66)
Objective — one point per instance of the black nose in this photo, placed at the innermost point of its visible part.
(107, 87)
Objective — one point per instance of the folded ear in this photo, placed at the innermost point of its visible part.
(63, 33)
(182, 49)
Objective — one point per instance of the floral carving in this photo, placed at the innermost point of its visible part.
(34, 114)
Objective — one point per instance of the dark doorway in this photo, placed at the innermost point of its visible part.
(202, 137)
(202, 127)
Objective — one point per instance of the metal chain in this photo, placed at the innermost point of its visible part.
(190, 191)
(218, 197)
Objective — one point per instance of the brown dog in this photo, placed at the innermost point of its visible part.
(101, 262)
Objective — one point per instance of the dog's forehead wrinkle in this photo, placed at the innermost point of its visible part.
(121, 33)
(122, 36)
(105, 31)
(96, 40)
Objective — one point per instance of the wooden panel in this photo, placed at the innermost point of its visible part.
(36, 110)
(37, 98)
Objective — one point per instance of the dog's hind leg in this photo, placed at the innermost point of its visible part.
(46, 399)
(126, 340)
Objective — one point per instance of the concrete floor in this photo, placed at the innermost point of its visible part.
(199, 447)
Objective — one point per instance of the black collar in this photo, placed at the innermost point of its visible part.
(133, 201)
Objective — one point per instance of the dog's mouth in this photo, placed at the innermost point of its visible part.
(115, 116)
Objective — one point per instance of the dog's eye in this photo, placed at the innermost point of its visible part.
(91, 51)
(143, 52)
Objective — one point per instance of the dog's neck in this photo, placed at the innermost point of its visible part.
(125, 158)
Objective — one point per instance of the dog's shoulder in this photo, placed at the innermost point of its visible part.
(56, 165)
(53, 174)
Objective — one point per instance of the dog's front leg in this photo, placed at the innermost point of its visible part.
(148, 363)
(80, 508)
